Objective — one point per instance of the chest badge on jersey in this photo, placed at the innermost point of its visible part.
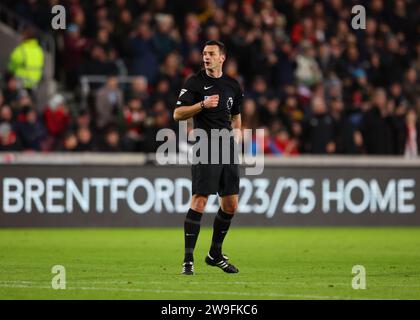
(229, 103)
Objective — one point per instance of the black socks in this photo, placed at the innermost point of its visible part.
(191, 231)
(220, 228)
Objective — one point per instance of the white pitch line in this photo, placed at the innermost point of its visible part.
(10, 284)
(320, 284)
(125, 282)
(250, 294)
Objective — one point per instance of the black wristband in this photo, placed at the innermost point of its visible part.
(202, 104)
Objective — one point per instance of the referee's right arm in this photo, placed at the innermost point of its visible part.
(186, 112)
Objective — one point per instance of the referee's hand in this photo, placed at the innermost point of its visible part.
(211, 101)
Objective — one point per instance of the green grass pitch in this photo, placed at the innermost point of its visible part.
(274, 263)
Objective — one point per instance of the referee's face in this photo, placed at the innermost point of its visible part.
(212, 57)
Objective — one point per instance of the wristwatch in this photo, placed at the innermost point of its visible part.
(202, 104)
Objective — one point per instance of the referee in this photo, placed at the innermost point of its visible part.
(214, 101)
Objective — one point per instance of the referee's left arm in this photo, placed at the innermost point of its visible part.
(237, 124)
(236, 121)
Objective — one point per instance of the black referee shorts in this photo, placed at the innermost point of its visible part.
(216, 178)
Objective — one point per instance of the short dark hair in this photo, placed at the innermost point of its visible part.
(220, 44)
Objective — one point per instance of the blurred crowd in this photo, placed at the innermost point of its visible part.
(312, 82)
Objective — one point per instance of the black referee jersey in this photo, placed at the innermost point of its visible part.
(200, 86)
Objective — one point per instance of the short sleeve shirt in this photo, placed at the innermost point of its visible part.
(200, 86)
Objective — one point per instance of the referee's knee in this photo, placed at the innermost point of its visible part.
(199, 203)
(230, 208)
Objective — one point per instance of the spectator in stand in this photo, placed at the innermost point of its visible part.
(83, 119)
(103, 39)
(191, 43)
(348, 137)
(279, 142)
(291, 109)
(109, 104)
(139, 90)
(160, 118)
(396, 93)
(249, 114)
(134, 125)
(377, 126)
(267, 59)
(27, 60)
(9, 141)
(99, 63)
(171, 71)
(57, 117)
(24, 99)
(69, 142)
(307, 71)
(111, 141)
(399, 125)
(319, 131)
(231, 70)
(375, 70)
(6, 114)
(411, 87)
(1, 99)
(412, 138)
(393, 58)
(30, 130)
(286, 145)
(259, 91)
(286, 64)
(353, 62)
(123, 27)
(272, 111)
(296, 131)
(11, 91)
(75, 46)
(166, 37)
(193, 63)
(144, 60)
(163, 92)
(85, 139)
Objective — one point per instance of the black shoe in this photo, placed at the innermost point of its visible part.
(222, 263)
(188, 268)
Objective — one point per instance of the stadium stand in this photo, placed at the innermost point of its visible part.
(312, 82)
